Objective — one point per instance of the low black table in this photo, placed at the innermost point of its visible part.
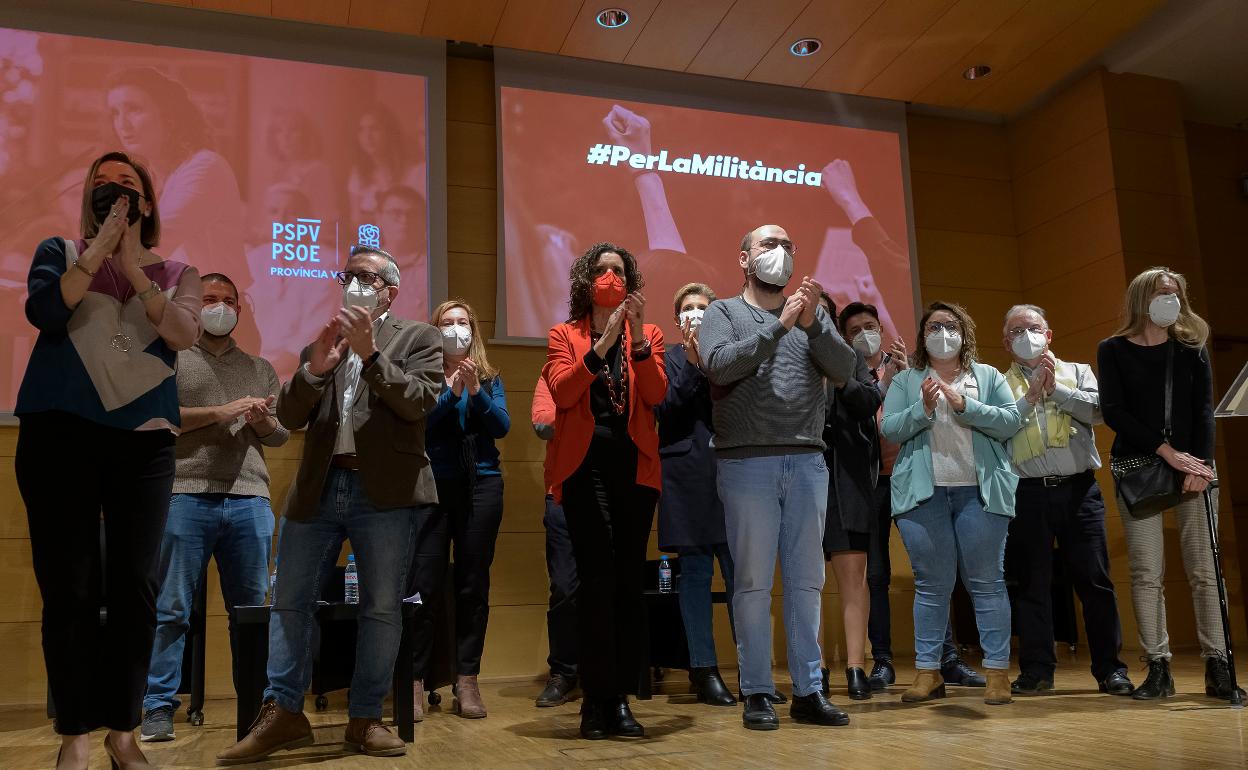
(337, 634)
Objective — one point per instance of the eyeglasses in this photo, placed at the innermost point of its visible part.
(936, 326)
(767, 244)
(364, 277)
(1018, 331)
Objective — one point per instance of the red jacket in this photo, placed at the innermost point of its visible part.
(569, 380)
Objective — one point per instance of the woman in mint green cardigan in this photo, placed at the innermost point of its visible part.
(953, 492)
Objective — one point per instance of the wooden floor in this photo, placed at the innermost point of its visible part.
(1076, 728)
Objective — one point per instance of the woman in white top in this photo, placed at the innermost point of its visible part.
(953, 492)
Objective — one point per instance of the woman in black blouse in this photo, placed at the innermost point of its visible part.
(1132, 363)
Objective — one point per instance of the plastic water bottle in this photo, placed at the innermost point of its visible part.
(352, 581)
(665, 576)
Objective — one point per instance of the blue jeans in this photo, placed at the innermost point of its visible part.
(238, 531)
(948, 533)
(382, 541)
(697, 566)
(775, 504)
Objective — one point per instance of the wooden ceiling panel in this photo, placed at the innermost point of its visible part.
(589, 40)
(183, 3)
(250, 7)
(883, 37)
(744, 36)
(335, 12)
(676, 32)
(831, 22)
(401, 16)
(1099, 27)
(470, 20)
(962, 27)
(1020, 36)
(537, 25)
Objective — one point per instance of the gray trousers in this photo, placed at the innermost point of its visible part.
(1147, 561)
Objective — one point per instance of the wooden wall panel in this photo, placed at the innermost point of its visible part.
(1084, 234)
(1066, 120)
(962, 203)
(1075, 176)
(971, 260)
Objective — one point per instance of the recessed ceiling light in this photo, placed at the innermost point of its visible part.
(977, 72)
(612, 18)
(805, 47)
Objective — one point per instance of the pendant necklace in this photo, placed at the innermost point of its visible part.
(120, 341)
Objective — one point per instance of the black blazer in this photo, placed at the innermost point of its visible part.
(690, 512)
(853, 452)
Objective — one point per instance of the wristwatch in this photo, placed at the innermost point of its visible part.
(149, 292)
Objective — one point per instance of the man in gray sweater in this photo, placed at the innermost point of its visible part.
(767, 357)
(220, 506)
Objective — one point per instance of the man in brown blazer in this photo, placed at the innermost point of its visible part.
(363, 390)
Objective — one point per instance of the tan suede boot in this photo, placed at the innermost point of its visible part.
(371, 737)
(998, 692)
(418, 700)
(468, 703)
(274, 729)
(928, 685)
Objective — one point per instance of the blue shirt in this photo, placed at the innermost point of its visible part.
(461, 430)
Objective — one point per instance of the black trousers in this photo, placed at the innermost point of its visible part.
(880, 574)
(1073, 513)
(561, 568)
(468, 515)
(70, 471)
(609, 517)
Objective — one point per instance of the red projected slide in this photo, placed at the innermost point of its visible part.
(267, 171)
(679, 188)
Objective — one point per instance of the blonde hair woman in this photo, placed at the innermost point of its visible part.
(470, 415)
(1161, 332)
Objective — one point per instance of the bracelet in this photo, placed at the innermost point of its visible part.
(149, 292)
(78, 265)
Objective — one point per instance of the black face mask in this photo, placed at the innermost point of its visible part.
(104, 196)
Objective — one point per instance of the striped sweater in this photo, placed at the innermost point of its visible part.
(767, 382)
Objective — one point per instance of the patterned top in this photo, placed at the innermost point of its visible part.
(75, 368)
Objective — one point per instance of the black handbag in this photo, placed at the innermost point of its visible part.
(1147, 482)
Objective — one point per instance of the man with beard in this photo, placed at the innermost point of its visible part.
(767, 357)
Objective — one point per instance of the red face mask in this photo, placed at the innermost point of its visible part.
(609, 290)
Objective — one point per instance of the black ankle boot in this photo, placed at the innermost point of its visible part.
(1218, 677)
(710, 687)
(619, 718)
(882, 674)
(1159, 684)
(825, 688)
(593, 725)
(859, 685)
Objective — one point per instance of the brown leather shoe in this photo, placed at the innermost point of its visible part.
(998, 692)
(468, 703)
(418, 700)
(275, 729)
(928, 685)
(371, 737)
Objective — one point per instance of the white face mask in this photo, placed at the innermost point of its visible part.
(1164, 309)
(867, 342)
(774, 267)
(694, 317)
(1029, 345)
(455, 340)
(219, 319)
(357, 294)
(943, 345)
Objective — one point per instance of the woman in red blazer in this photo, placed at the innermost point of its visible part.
(605, 372)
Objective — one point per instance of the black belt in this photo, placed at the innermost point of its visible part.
(346, 462)
(1052, 481)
